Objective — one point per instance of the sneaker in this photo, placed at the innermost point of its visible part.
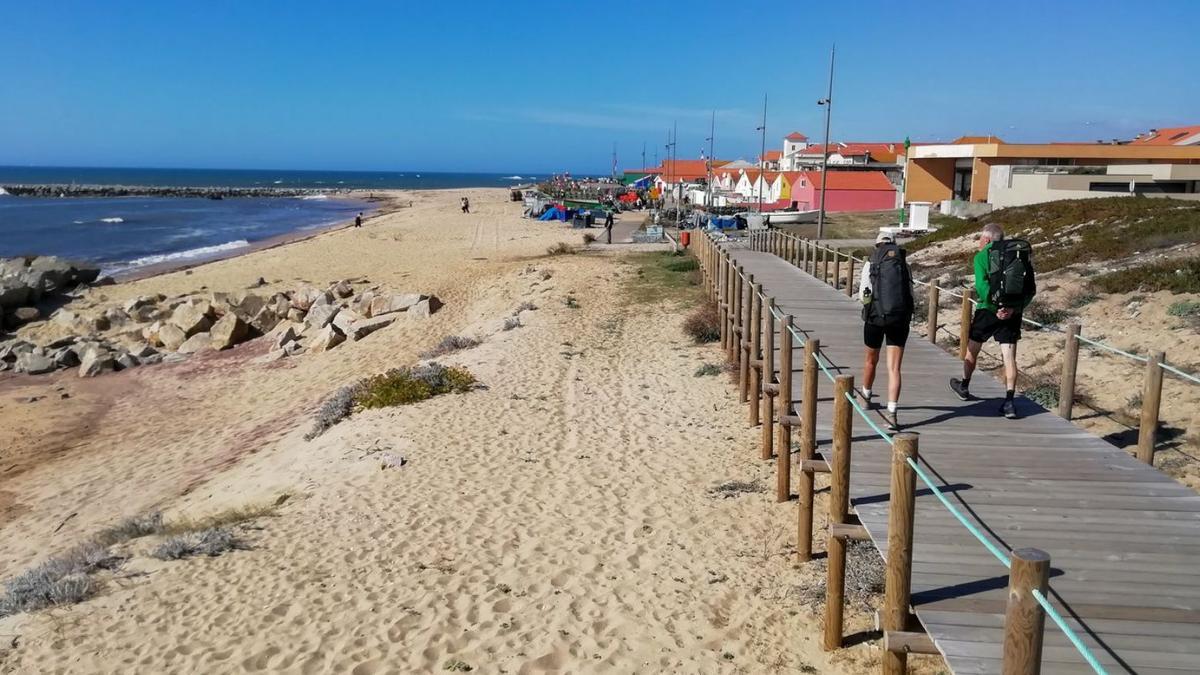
(866, 400)
(960, 389)
(1008, 410)
(890, 422)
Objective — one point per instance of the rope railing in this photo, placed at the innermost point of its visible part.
(1191, 377)
(825, 365)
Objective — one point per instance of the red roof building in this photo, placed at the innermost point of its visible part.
(1173, 136)
(844, 191)
(796, 136)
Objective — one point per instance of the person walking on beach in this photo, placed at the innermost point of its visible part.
(358, 219)
(1005, 285)
(608, 226)
(466, 205)
(885, 290)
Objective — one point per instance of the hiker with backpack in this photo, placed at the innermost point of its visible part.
(1005, 285)
(885, 290)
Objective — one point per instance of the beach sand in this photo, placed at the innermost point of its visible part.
(559, 520)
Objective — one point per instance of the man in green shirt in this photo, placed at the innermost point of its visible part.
(990, 321)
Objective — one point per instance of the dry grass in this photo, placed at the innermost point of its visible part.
(210, 542)
(450, 344)
(704, 324)
(561, 248)
(222, 518)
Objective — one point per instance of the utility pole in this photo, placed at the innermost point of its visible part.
(643, 154)
(614, 162)
(762, 160)
(712, 133)
(828, 103)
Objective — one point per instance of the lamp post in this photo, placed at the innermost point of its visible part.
(712, 133)
(904, 179)
(762, 160)
(828, 103)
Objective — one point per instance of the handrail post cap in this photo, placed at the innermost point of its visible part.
(1031, 555)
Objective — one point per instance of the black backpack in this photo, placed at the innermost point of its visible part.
(891, 287)
(1011, 280)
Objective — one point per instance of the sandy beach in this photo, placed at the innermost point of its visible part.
(593, 508)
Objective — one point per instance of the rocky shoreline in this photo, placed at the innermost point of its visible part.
(72, 190)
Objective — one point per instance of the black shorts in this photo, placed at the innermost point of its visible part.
(986, 325)
(896, 334)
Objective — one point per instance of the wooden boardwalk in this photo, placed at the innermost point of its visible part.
(1124, 538)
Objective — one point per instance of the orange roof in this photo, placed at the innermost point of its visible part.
(1172, 136)
(796, 136)
(851, 180)
(792, 176)
(968, 140)
(772, 155)
(880, 152)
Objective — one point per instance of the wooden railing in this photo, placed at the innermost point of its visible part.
(751, 325)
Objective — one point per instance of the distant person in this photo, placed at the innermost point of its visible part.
(885, 290)
(608, 226)
(358, 219)
(466, 205)
(1005, 285)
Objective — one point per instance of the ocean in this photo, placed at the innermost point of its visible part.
(122, 234)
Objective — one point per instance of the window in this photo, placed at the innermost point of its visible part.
(1178, 136)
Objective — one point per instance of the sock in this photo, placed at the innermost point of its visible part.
(1008, 395)
(866, 393)
(966, 382)
(891, 406)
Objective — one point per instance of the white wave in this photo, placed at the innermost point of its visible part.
(318, 197)
(77, 222)
(201, 252)
(278, 182)
(512, 178)
(112, 220)
(3, 192)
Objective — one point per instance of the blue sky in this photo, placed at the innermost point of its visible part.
(545, 86)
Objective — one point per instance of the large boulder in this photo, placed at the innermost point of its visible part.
(362, 302)
(364, 327)
(325, 339)
(13, 293)
(342, 289)
(344, 319)
(394, 302)
(425, 307)
(49, 274)
(192, 317)
(35, 364)
(304, 298)
(196, 343)
(96, 360)
(81, 323)
(247, 305)
(228, 331)
(321, 314)
(171, 337)
(265, 320)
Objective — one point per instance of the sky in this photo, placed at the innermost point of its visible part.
(468, 85)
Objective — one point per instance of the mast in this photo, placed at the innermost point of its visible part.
(762, 160)
(828, 103)
(712, 133)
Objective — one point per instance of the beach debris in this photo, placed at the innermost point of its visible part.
(389, 460)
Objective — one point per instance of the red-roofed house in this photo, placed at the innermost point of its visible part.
(770, 159)
(1173, 136)
(845, 191)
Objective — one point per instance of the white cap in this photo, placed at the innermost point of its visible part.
(884, 237)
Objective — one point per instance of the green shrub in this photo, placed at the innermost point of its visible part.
(1184, 309)
(401, 386)
(1044, 394)
(1046, 314)
(682, 265)
(1177, 276)
(1082, 299)
(708, 369)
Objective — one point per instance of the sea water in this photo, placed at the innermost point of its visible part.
(124, 233)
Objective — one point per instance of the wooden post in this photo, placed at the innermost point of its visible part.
(797, 249)
(849, 276)
(1151, 398)
(837, 269)
(898, 576)
(755, 353)
(767, 414)
(803, 255)
(964, 334)
(1066, 386)
(722, 303)
(783, 445)
(744, 342)
(735, 307)
(824, 265)
(808, 445)
(839, 507)
(1024, 619)
(931, 323)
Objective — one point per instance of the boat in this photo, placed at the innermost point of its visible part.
(756, 221)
